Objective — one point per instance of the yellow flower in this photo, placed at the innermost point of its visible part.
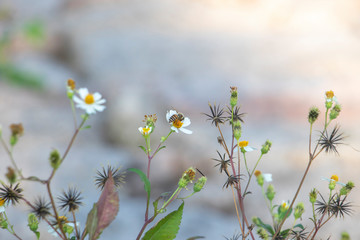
(243, 143)
(329, 94)
(145, 130)
(257, 173)
(335, 178)
(2, 205)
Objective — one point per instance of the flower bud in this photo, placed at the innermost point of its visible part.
(284, 207)
(299, 210)
(17, 130)
(187, 177)
(237, 129)
(70, 88)
(3, 222)
(55, 159)
(256, 221)
(335, 111)
(11, 175)
(313, 114)
(345, 236)
(150, 121)
(262, 233)
(270, 192)
(233, 97)
(313, 195)
(266, 147)
(259, 178)
(33, 222)
(347, 188)
(200, 184)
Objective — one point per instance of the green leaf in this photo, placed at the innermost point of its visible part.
(160, 149)
(143, 148)
(143, 177)
(266, 226)
(299, 226)
(92, 221)
(167, 228)
(86, 127)
(37, 235)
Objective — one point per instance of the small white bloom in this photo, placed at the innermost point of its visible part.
(332, 180)
(178, 121)
(90, 102)
(2, 205)
(267, 177)
(285, 205)
(145, 130)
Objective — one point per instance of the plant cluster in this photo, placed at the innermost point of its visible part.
(233, 163)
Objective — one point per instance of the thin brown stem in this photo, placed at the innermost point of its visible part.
(9, 152)
(237, 211)
(75, 225)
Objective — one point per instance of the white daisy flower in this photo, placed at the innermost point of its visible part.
(2, 205)
(145, 130)
(267, 177)
(90, 102)
(329, 96)
(285, 205)
(244, 146)
(334, 178)
(178, 121)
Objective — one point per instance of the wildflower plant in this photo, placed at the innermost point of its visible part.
(239, 173)
(60, 212)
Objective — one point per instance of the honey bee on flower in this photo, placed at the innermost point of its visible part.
(178, 121)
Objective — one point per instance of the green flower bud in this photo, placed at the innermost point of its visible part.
(11, 175)
(313, 114)
(332, 185)
(187, 177)
(299, 210)
(3, 223)
(350, 185)
(233, 97)
(150, 121)
(237, 129)
(256, 221)
(55, 159)
(200, 184)
(335, 111)
(344, 191)
(266, 147)
(270, 192)
(345, 236)
(328, 104)
(68, 229)
(313, 195)
(263, 234)
(33, 222)
(260, 179)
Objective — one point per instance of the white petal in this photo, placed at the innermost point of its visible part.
(249, 149)
(99, 108)
(2, 209)
(186, 122)
(77, 100)
(140, 130)
(83, 92)
(186, 131)
(267, 177)
(97, 96)
(101, 101)
(175, 129)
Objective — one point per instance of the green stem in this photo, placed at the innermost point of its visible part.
(252, 173)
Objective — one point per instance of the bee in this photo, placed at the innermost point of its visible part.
(177, 117)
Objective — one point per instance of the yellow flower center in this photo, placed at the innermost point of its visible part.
(335, 178)
(285, 205)
(329, 94)
(63, 219)
(89, 99)
(146, 130)
(177, 123)
(243, 144)
(2, 202)
(257, 173)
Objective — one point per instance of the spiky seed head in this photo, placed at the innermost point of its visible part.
(313, 114)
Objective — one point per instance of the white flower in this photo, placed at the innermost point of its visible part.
(145, 130)
(267, 177)
(90, 102)
(332, 180)
(244, 145)
(285, 205)
(178, 121)
(54, 233)
(2, 205)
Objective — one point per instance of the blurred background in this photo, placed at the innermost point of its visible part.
(146, 57)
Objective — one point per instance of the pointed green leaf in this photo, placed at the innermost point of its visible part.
(92, 221)
(160, 149)
(167, 228)
(266, 226)
(299, 226)
(143, 177)
(143, 148)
